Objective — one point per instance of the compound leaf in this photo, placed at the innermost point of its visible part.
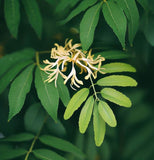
(118, 67)
(107, 114)
(80, 8)
(116, 19)
(88, 25)
(34, 15)
(11, 74)
(18, 91)
(46, 154)
(11, 59)
(12, 153)
(12, 15)
(117, 80)
(47, 93)
(75, 102)
(63, 91)
(113, 54)
(34, 118)
(61, 144)
(19, 137)
(132, 14)
(116, 97)
(85, 114)
(99, 126)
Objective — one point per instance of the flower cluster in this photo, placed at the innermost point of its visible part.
(61, 57)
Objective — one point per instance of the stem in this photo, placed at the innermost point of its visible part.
(35, 138)
(95, 93)
(43, 52)
(37, 59)
(37, 56)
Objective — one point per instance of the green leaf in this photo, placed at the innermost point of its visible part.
(143, 3)
(62, 5)
(18, 91)
(148, 28)
(47, 93)
(11, 74)
(12, 16)
(107, 114)
(12, 153)
(99, 127)
(132, 14)
(117, 80)
(85, 114)
(61, 144)
(19, 137)
(75, 102)
(113, 54)
(118, 67)
(34, 118)
(12, 59)
(80, 8)
(116, 19)
(88, 25)
(45, 154)
(34, 15)
(63, 91)
(116, 97)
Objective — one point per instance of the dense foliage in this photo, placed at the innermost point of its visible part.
(60, 99)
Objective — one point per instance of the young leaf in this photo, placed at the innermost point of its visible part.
(11, 74)
(11, 59)
(75, 102)
(117, 80)
(47, 93)
(99, 127)
(132, 14)
(88, 25)
(18, 91)
(34, 118)
(61, 144)
(12, 153)
(118, 67)
(12, 16)
(80, 8)
(34, 15)
(19, 137)
(116, 97)
(107, 114)
(46, 154)
(113, 54)
(63, 91)
(85, 114)
(116, 19)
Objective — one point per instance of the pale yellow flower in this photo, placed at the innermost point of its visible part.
(61, 57)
